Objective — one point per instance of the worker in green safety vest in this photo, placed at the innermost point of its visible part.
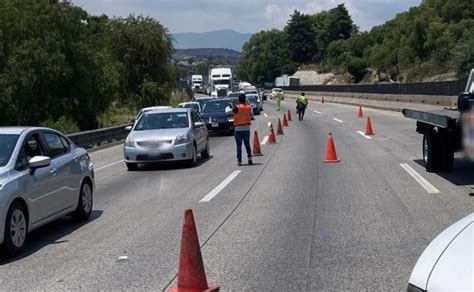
(301, 104)
(279, 97)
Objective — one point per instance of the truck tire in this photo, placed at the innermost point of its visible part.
(431, 151)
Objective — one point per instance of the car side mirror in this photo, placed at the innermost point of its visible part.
(198, 124)
(128, 128)
(39, 161)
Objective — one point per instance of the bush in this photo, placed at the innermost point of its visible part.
(357, 67)
(63, 124)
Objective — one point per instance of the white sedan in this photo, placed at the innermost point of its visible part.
(447, 263)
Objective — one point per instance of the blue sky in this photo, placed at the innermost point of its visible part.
(242, 15)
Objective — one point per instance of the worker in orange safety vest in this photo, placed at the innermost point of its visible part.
(242, 121)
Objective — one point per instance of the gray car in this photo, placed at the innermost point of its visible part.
(43, 176)
(166, 135)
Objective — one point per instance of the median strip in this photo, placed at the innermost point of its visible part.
(421, 180)
(220, 187)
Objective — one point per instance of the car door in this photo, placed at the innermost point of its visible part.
(64, 167)
(198, 131)
(36, 185)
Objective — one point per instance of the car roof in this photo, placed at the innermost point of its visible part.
(19, 130)
(203, 97)
(190, 102)
(170, 110)
(155, 107)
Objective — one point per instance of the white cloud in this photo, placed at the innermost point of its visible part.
(242, 15)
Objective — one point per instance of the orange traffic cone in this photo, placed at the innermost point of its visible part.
(271, 136)
(369, 131)
(256, 145)
(322, 99)
(289, 116)
(360, 114)
(285, 121)
(191, 275)
(331, 156)
(280, 128)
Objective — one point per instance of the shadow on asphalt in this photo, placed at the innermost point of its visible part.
(461, 175)
(51, 233)
(171, 165)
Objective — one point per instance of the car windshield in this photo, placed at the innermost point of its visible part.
(252, 99)
(215, 106)
(202, 102)
(170, 120)
(7, 144)
(222, 82)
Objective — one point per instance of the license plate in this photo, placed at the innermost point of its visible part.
(215, 125)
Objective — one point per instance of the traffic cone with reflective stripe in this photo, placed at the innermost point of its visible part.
(285, 121)
(271, 136)
(331, 156)
(191, 275)
(369, 131)
(360, 114)
(280, 128)
(289, 116)
(256, 145)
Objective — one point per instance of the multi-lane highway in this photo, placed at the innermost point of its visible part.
(290, 222)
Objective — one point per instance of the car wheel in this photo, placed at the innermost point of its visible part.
(193, 160)
(431, 151)
(132, 166)
(16, 229)
(84, 206)
(207, 152)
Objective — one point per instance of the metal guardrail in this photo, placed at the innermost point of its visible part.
(99, 137)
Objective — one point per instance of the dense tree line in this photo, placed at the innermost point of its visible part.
(58, 64)
(434, 38)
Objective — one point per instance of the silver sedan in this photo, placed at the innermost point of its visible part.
(166, 135)
(43, 176)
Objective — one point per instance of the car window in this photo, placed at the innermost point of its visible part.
(195, 118)
(7, 145)
(31, 147)
(55, 145)
(166, 120)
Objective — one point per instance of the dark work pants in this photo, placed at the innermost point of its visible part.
(301, 113)
(245, 137)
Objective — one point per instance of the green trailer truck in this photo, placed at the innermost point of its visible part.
(446, 131)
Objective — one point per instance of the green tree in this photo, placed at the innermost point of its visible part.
(300, 38)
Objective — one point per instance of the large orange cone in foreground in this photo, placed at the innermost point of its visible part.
(360, 114)
(369, 131)
(191, 275)
(280, 128)
(289, 116)
(256, 145)
(285, 121)
(271, 136)
(331, 156)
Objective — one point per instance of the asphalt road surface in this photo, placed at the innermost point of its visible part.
(290, 222)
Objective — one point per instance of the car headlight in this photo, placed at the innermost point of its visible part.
(182, 139)
(129, 143)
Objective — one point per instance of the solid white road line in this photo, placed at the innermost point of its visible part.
(265, 115)
(220, 187)
(338, 120)
(316, 112)
(108, 165)
(364, 135)
(265, 140)
(431, 189)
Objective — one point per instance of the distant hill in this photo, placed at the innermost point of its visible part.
(229, 39)
(207, 55)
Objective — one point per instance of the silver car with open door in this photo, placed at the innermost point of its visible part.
(43, 176)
